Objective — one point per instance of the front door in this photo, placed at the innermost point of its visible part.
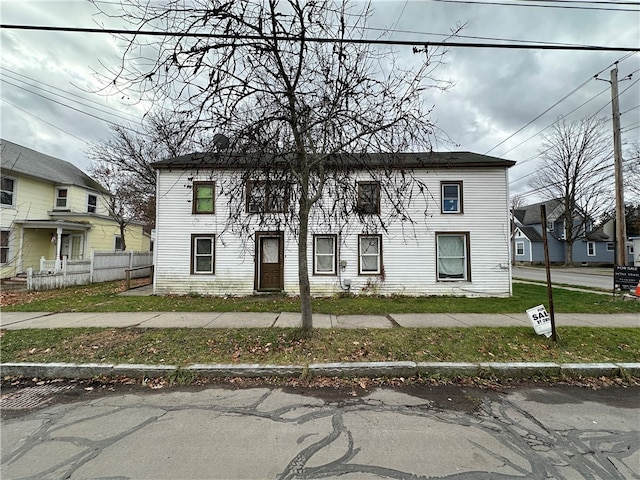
(270, 261)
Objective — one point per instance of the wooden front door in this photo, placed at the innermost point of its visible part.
(270, 261)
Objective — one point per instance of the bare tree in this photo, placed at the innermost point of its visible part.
(631, 172)
(123, 161)
(301, 102)
(576, 169)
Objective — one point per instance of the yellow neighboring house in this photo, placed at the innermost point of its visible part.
(52, 209)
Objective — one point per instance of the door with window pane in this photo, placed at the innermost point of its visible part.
(270, 262)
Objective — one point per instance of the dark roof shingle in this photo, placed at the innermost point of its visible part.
(23, 160)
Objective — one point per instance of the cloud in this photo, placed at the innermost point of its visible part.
(496, 91)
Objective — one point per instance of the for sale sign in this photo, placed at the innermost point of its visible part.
(540, 320)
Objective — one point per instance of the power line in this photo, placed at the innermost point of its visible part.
(558, 102)
(134, 117)
(553, 123)
(474, 37)
(515, 4)
(3, 79)
(74, 108)
(412, 43)
(43, 120)
(537, 5)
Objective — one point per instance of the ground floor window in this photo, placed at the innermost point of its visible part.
(324, 255)
(519, 248)
(370, 254)
(453, 256)
(591, 249)
(117, 243)
(4, 246)
(203, 254)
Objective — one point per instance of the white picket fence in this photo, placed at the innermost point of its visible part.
(101, 267)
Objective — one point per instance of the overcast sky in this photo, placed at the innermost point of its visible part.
(47, 76)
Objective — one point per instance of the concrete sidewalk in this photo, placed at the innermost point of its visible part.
(22, 320)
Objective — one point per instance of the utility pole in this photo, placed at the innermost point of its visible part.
(621, 230)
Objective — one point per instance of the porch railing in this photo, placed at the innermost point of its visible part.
(101, 267)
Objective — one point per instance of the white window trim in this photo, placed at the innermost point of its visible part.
(333, 255)
(458, 186)
(194, 254)
(610, 247)
(591, 253)
(66, 199)
(13, 192)
(378, 256)
(520, 245)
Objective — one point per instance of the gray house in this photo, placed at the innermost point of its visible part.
(592, 245)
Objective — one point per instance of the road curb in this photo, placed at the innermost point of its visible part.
(350, 369)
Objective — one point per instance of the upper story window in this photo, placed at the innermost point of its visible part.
(267, 196)
(92, 203)
(369, 197)
(203, 197)
(61, 197)
(451, 197)
(8, 194)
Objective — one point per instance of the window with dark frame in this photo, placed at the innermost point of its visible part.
(61, 197)
(369, 198)
(453, 256)
(325, 255)
(4, 246)
(117, 243)
(203, 198)
(92, 203)
(265, 196)
(7, 193)
(370, 254)
(203, 251)
(451, 197)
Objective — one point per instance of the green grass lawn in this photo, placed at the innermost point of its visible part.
(105, 298)
(286, 346)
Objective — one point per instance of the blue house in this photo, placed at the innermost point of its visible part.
(591, 245)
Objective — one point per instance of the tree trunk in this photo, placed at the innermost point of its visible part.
(303, 270)
(124, 244)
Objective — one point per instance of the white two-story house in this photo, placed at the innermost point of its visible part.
(214, 239)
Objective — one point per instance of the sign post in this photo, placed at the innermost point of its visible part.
(543, 215)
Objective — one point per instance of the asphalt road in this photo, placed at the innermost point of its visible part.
(585, 276)
(406, 433)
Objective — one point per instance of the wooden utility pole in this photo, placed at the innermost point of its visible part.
(621, 230)
(547, 267)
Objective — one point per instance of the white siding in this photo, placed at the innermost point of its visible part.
(409, 251)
